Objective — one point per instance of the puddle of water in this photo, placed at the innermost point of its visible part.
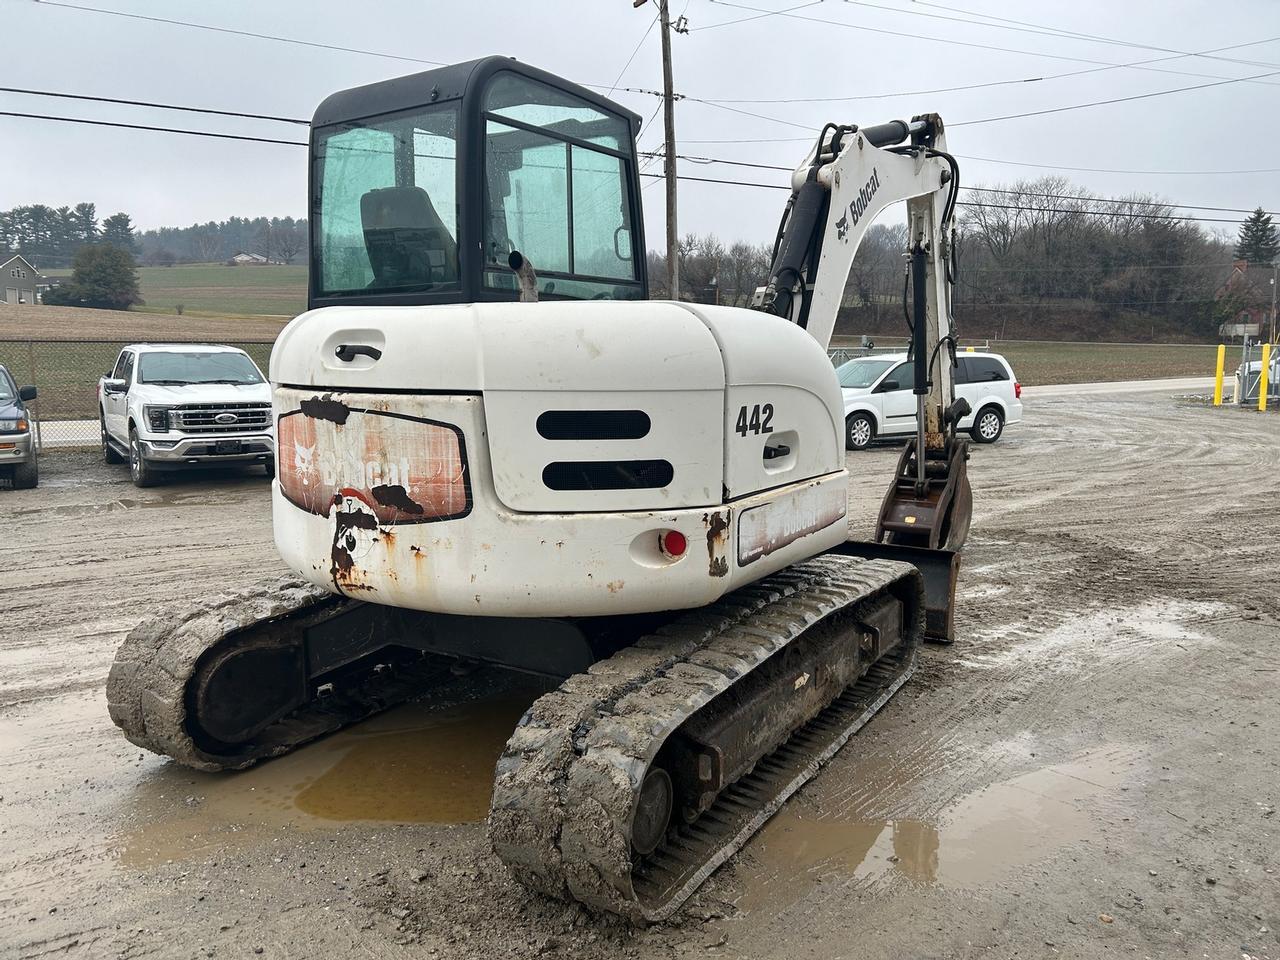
(413, 764)
(985, 836)
(438, 769)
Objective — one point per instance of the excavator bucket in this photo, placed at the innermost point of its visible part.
(925, 525)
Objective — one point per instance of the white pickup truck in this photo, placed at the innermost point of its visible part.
(169, 406)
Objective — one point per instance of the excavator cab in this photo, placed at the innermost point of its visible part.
(422, 187)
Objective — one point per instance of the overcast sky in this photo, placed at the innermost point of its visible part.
(168, 180)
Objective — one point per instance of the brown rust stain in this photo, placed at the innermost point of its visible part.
(717, 542)
(615, 585)
(325, 408)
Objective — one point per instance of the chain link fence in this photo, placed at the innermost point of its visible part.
(66, 374)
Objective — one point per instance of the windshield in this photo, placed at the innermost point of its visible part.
(177, 369)
(385, 206)
(7, 390)
(862, 372)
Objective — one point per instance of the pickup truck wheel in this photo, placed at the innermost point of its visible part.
(140, 471)
(987, 425)
(269, 468)
(26, 475)
(858, 431)
(109, 454)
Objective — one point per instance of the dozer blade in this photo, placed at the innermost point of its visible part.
(629, 784)
(939, 568)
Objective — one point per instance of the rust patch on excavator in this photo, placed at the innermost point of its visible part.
(717, 536)
(325, 408)
(345, 522)
(395, 496)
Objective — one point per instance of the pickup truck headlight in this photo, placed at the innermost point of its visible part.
(19, 425)
(157, 419)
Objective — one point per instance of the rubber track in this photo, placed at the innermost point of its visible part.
(147, 685)
(566, 786)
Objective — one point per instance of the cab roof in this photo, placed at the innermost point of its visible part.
(454, 82)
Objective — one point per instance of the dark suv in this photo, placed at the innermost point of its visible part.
(19, 446)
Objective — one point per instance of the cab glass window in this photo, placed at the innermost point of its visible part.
(557, 190)
(385, 208)
(118, 372)
(538, 105)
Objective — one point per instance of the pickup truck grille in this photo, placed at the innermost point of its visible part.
(221, 418)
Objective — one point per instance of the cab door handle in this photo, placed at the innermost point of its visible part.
(347, 352)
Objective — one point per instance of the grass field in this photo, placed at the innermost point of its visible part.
(214, 288)
(63, 350)
(1042, 362)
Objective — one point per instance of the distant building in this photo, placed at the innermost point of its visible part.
(249, 259)
(1251, 289)
(18, 279)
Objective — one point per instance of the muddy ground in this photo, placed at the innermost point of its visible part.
(1092, 771)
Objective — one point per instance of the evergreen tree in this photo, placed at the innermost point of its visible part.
(85, 217)
(104, 276)
(117, 230)
(1259, 241)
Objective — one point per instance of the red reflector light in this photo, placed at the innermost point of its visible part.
(1017, 391)
(673, 543)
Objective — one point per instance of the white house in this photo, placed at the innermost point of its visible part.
(17, 279)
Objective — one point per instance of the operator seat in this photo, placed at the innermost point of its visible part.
(407, 242)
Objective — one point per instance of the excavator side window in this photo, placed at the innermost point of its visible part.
(557, 189)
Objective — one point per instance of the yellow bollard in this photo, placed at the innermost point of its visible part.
(1217, 383)
(1262, 377)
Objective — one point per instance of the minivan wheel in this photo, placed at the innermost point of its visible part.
(859, 431)
(987, 426)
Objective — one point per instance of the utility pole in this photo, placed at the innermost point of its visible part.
(669, 130)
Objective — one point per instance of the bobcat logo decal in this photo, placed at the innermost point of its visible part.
(304, 461)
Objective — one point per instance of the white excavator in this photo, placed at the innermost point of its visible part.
(494, 448)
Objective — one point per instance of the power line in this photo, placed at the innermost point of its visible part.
(238, 33)
(743, 183)
(1145, 173)
(1022, 26)
(158, 106)
(1082, 36)
(970, 203)
(990, 83)
(140, 126)
(1100, 103)
(1020, 193)
(759, 16)
(947, 40)
(618, 78)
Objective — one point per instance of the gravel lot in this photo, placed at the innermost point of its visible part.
(1092, 770)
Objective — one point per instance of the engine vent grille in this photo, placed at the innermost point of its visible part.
(593, 424)
(608, 475)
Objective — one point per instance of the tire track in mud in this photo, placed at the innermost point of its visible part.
(1055, 548)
